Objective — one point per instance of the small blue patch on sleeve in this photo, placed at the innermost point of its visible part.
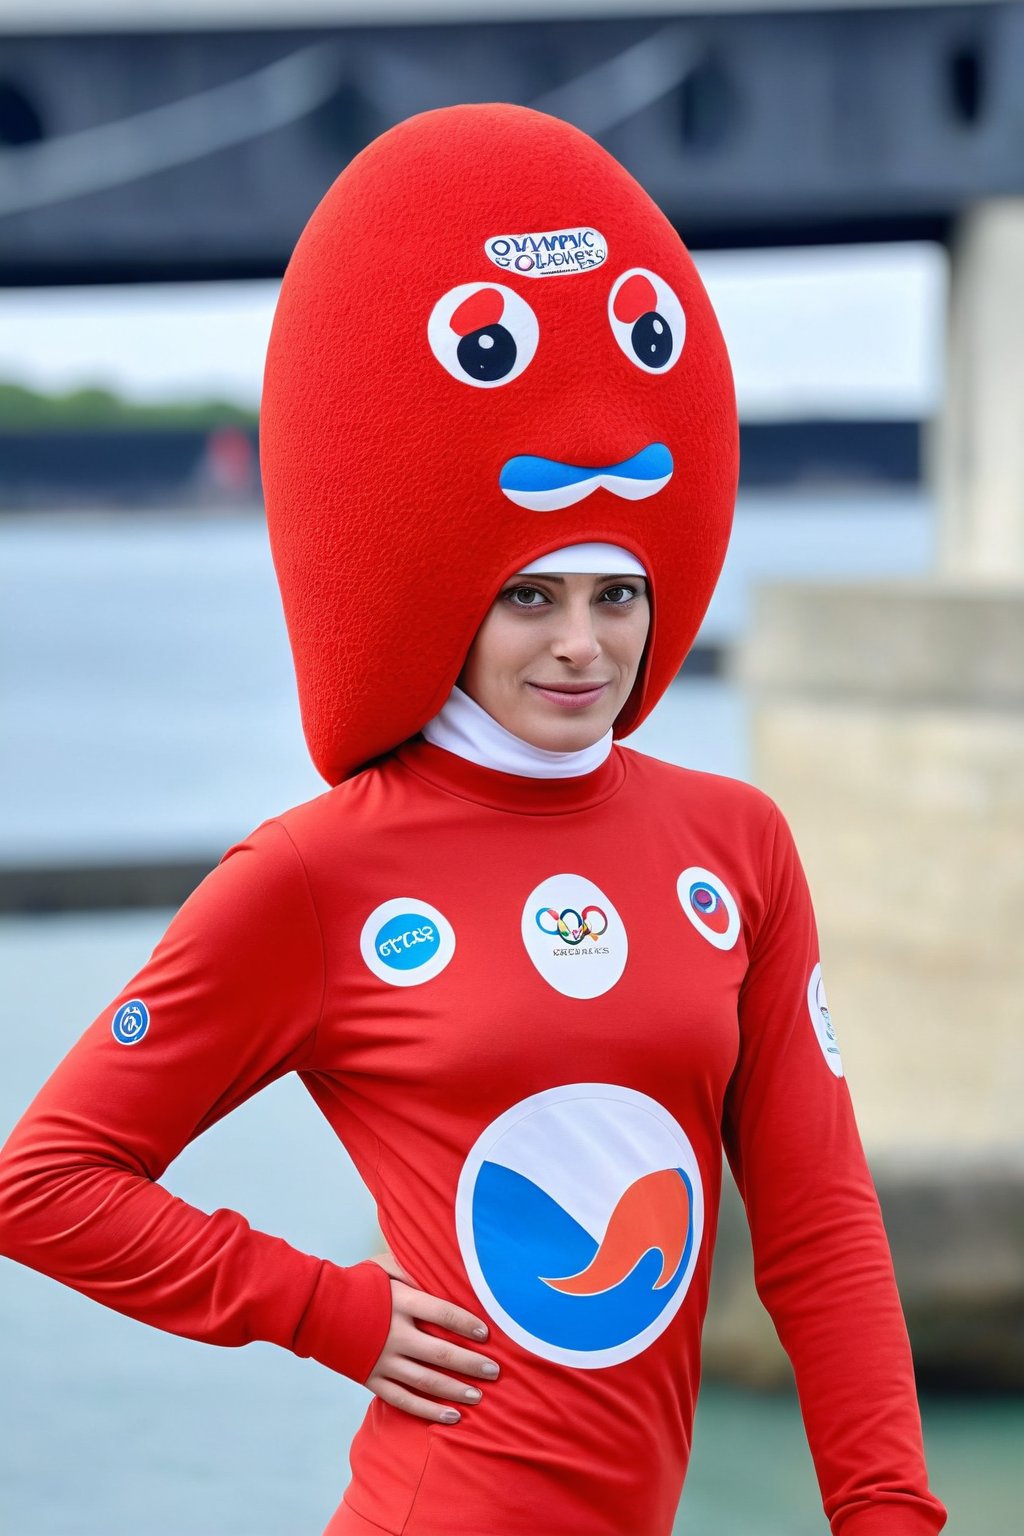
(130, 1022)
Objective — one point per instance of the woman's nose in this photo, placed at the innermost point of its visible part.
(576, 641)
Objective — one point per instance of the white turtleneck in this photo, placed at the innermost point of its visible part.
(466, 729)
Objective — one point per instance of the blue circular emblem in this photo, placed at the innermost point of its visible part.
(580, 1213)
(131, 1022)
(407, 941)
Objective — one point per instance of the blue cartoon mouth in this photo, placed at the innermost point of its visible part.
(546, 485)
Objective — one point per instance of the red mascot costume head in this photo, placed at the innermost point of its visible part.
(489, 344)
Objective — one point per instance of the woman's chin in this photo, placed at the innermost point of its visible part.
(561, 735)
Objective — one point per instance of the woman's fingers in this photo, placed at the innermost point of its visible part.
(408, 1401)
(416, 1345)
(414, 1362)
(445, 1314)
(421, 1378)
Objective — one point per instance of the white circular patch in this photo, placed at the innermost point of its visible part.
(406, 941)
(817, 1007)
(710, 906)
(580, 1218)
(574, 936)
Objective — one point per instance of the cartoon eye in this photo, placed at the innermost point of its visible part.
(483, 334)
(647, 320)
(705, 899)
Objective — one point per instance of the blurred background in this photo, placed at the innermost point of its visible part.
(851, 182)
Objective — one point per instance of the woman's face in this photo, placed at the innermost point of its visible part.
(556, 656)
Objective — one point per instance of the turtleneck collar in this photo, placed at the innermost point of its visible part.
(511, 792)
(467, 730)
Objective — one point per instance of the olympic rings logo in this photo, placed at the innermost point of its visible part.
(570, 926)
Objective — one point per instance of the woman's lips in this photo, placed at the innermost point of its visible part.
(570, 695)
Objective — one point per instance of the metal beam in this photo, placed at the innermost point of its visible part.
(199, 154)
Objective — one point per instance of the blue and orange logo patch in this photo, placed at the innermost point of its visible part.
(580, 1214)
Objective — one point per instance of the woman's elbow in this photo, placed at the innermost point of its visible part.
(30, 1203)
(13, 1203)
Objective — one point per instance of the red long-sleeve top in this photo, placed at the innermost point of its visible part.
(534, 1012)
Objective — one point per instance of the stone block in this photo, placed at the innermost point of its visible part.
(888, 724)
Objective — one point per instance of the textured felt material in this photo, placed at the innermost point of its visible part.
(390, 531)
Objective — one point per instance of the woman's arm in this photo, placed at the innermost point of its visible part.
(821, 1259)
(233, 995)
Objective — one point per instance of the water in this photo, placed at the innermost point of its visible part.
(149, 708)
(148, 699)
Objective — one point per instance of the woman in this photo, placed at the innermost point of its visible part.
(533, 980)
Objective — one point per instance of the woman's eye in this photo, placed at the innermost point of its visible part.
(483, 334)
(647, 320)
(525, 597)
(619, 596)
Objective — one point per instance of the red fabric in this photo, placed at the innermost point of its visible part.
(234, 992)
(893, 1519)
(390, 532)
(264, 971)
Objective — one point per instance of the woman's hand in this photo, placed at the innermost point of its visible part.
(413, 1362)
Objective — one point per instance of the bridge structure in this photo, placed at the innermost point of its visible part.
(195, 141)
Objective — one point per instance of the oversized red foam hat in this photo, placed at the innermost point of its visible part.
(489, 344)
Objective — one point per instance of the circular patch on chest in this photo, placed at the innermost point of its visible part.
(574, 936)
(580, 1214)
(406, 941)
(710, 906)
